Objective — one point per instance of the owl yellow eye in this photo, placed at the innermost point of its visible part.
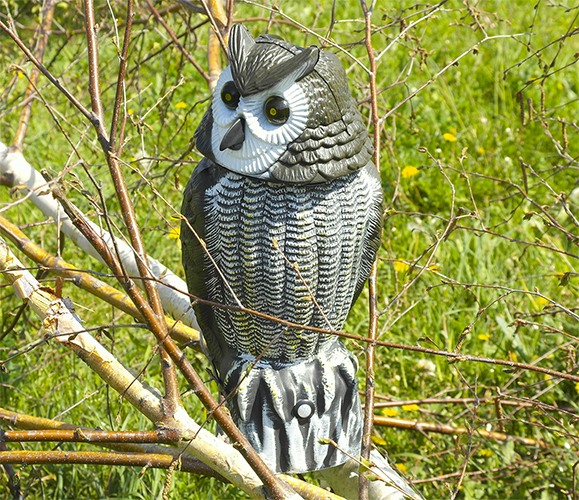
(276, 110)
(230, 95)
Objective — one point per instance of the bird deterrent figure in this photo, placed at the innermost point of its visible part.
(283, 217)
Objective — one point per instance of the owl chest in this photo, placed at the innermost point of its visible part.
(289, 252)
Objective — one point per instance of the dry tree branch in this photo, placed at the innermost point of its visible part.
(401, 423)
(172, 398)
(443, 70)
(37, 425)
(505, 469)
(22, 46)
(372, 300)
(324, 40)
(178, 44)
(67, 330)
(125, 442)
(16, 172)
(91, 436)
(155, 460)
(166, 456)
(181, 332)
(151, 311)
(59, 321)
(430, 11)
(41, 36)
(178, 357)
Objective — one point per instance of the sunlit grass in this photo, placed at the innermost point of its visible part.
(458, 156)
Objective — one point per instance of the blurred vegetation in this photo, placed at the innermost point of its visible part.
(479, 253)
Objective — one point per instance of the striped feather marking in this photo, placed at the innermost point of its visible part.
(261, 234)
(265, 401)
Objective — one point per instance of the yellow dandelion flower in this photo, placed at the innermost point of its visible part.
(547, 377)
(181, 105)
(409, 171)
(400, 266)
(389, 412)
(380, 441)
(480, 150)
(577, 387)
(513, 356)
(541, 302)
(130, 111)
(20, 75)
(485, 452)
(449, 136)
(402, 468)
(174, 233)
(484, 336)
(410, 407)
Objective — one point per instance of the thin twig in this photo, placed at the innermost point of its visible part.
(172, 394)
(442, 71)
(153, 309)
(276, 488)
(57, 319)
(75, 102)
(178, 44)
(401, 423)
(116, 143)
(13, 480)
(372, 300)
(90, 436)
(186, 461)
(157, 461)
(84, 280)
(39, 424)
(452, 356)
(41, 36)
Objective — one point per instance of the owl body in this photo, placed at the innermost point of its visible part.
(283, 221)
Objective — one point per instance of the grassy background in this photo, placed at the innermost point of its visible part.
(458, 154)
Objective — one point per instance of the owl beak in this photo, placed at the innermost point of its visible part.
(234, 137)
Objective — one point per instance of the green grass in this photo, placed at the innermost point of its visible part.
(510, 242)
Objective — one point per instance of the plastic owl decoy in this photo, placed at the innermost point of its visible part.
(283, 222)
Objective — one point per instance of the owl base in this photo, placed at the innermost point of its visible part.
(300, 417)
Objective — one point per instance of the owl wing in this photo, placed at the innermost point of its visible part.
(373, 235)
(205, 175)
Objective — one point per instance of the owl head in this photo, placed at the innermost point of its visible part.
(282, 113)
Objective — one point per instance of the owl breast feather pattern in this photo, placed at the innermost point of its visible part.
(292, 252)
(289, 230)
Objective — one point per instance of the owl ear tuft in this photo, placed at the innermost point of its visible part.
(240, 44)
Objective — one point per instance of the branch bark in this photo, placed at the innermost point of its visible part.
(401, 423)
(18, 173)
(65, 328)
(179, 331)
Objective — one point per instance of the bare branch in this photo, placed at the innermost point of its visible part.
(401, 423)
(22, 175)
(66, 329)
(84, 280)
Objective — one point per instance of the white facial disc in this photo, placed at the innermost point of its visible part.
(264, 142)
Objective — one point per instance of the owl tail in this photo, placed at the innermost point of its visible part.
(302, 416)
